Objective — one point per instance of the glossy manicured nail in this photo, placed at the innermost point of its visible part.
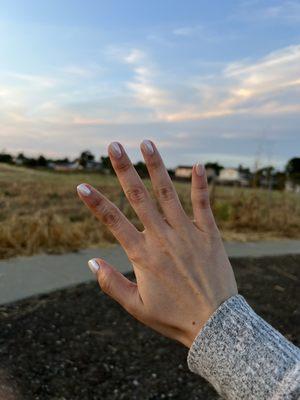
(147, 147)
(115, 149)
(94, 266)
(199, 169)
(84, 190)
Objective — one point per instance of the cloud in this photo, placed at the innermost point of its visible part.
(282, 11)
(266, 86)
(142, 85)
(269, 85)
(145, 91)
(182, 111)
(188, 30)
(134, 56)
(81, 71)
(37, 80)
(126, 55)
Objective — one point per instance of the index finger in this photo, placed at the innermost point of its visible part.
(123, 230)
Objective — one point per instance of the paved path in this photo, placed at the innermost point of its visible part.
(26, 276)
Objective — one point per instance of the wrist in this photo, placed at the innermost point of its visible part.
(196, 325)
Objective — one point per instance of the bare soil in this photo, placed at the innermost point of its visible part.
(79, 344)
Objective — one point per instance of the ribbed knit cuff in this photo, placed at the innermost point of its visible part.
(243, 357)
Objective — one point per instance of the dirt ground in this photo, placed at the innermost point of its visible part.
(79, 344)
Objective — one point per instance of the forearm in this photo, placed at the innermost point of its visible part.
(243, 357)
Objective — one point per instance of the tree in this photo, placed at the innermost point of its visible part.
(21, 157)
(293, 166)
(6, 158)
(30, 162)
(106, 163)
(61, 161)
(85, 158)
(215, 166)
(244, 170)
(266, 171)
(292, 170)
(42, 162)
(171, 172)
(141, 169)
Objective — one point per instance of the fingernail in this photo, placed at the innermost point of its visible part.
(84, 190)
(115, 149)
(199, 169)
(148, 147)
(94, 266)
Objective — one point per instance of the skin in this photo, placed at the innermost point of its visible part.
(182, 271)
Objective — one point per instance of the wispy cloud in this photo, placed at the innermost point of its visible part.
(268, 86)
(149, 99)
(134, 56)
(81, 71)
(142, 85)
(188, 30)
(265, 86)
(287, 11)
(37, 80)
(145, 91)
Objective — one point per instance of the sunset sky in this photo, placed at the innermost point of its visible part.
(207, 81)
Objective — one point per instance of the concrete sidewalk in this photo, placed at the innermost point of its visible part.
(23, 277)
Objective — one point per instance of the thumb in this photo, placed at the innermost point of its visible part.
(116, 285)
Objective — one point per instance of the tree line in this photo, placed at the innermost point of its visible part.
(87, 160)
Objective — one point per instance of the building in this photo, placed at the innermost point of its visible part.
(68, 166)
(291, 186)
(75, 166)
(93, 165)
(184, 172)
(232, 176)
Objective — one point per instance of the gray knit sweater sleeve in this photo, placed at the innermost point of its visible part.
(243, 357)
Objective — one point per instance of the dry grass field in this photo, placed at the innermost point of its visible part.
(40, 211)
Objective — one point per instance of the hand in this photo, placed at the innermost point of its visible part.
(182, 271)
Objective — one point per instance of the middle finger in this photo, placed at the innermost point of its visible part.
(134, 189)
(163, 186)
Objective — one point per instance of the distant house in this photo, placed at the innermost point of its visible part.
(291, 186)
(18, 161)
(75, 165)
(94, 165)
(184, 172)
(69, 166)
(232, 176)
(268, 182)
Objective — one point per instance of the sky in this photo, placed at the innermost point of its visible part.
(207, 81)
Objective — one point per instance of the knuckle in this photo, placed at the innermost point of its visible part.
(111, 217)
(135, 256)
(123, 166)
(202, 198)
(96, 202)
(106, 283)
(154, 164)
(136, 194)
(166, 193)
(204, 202)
